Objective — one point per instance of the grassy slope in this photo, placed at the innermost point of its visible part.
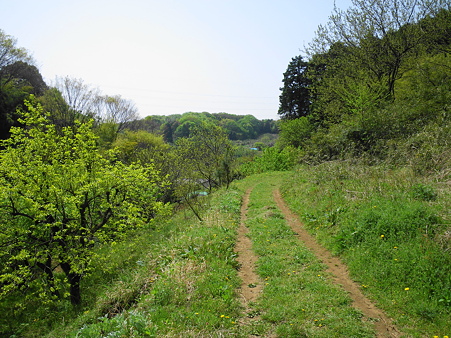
(181, 279)
(392, 229)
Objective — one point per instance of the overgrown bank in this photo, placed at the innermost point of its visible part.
(392, 228)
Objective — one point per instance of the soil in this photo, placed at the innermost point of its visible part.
(252, 286)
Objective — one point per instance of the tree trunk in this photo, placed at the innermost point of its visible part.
(47, 269)
(74, 282)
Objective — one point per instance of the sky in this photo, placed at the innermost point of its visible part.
(171, 56)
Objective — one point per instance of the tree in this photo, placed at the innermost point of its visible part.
(205, 161)
(381, 34)
(12, 61)
(118, 110)
(295, 98)
(147, 148)
(295, 132)
(10, 53)
(208, 155)
(59, 198)
(84, 101)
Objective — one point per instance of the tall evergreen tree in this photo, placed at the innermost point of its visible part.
(295, 98)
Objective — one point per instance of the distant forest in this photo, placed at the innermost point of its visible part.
(69, 99)
(238, 127)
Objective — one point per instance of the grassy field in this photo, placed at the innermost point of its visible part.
(179, 279)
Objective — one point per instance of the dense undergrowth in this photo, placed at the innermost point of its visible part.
(392, 228)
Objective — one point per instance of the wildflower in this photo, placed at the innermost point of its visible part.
(382, 236)
(222, 316)
(406, 289)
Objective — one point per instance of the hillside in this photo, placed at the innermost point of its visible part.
(184, 277)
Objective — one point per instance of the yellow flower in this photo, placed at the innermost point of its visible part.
(382, 236)
(222, 316)
(406, 289)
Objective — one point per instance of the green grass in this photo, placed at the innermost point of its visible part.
(299, 298)
(179, 277)
(390, 227)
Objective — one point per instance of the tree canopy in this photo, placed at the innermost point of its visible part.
(60, 197)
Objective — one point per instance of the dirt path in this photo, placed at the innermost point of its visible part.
(383, 325)
(251, 286)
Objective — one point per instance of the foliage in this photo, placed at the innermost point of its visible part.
(150, 149)
(60, 198)
(183, 278)
(295, 98)
(238, 127)
(18, 79)
(272, 159)
(379, 85)
(294, 132)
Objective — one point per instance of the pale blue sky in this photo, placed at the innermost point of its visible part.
(171, 56)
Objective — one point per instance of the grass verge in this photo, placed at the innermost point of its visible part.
(392, 229)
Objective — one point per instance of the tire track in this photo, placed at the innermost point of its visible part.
(251, 286)
(383, 324)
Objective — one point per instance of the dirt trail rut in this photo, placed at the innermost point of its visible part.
(383, 324)
(251, 284)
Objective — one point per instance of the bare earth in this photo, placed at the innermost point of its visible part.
(252, 285)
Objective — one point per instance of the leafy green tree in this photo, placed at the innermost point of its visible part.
(208, 155)
(205, 161)
(59, 198)
(295, 132)
(147, 148)
(233, 128)
(295, 97)
(381, 35)
(250, 126)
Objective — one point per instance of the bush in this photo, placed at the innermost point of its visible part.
(272, 159)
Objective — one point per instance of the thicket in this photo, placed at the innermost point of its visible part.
(377, 89)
